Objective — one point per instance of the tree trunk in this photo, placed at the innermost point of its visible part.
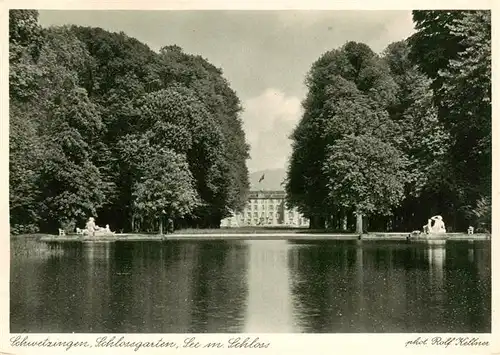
(344, 223)
(317, 222)
(359, 223)
(329, 222)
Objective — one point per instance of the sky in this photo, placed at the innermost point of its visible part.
(265, 55)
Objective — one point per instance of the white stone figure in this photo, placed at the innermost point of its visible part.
(427, 226)
(470, 230)
(91, 227)
(438, 227)
(107, 229)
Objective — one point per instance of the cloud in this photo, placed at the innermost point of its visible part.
(268, 120)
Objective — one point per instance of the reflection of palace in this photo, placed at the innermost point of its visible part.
(269, 301)
(266, 208)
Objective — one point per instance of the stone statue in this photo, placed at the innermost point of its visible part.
(437, 228)
(91, 227)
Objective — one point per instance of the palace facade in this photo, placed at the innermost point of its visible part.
(266, 208)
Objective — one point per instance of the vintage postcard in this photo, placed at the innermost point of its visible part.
(223, 177)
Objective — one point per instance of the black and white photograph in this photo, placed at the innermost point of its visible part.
(250, 172)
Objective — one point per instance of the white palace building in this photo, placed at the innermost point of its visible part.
(266, 208)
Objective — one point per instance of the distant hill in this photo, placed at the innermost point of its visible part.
(273, 179)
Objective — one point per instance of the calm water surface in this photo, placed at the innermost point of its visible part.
(250, 286)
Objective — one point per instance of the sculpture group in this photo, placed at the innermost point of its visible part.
(435, 225)
(92, 229)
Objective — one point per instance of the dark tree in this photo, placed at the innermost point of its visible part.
(454, 49)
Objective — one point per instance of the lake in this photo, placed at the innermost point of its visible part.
(272, 286)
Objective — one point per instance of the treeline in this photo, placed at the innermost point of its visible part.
(101, 125)
(387, 141)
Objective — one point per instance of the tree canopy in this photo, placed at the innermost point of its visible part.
(402, 136)
(332, 167)
(453, 48)
(103, 126)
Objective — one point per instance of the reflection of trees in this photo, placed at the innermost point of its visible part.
(132, 287)
(75, 289)
(323, 285)
(445, 292)
(219, 287)
(368, 287)
(48, 288)
(145, 287)
(122, 287)
(468, 287)
(385, 275)
(27, 257)
(151, 289)
(25, 284)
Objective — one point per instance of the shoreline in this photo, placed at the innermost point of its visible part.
(260, 236)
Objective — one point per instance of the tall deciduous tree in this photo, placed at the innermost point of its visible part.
(122, 72)
(350, 90)
(165, 186)
(423, 140)
(454, 49)
(71, 184)
(365, 174)
(25, 150)
(25, 156)
(175, 118)
(210, 87)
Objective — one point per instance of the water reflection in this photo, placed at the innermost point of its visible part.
(470, 255)
(471, 281)
(131, 287)
(269, 308)
(349, 287)
(436, 255)
(219, 287)
(324, 286)
(250, 286)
